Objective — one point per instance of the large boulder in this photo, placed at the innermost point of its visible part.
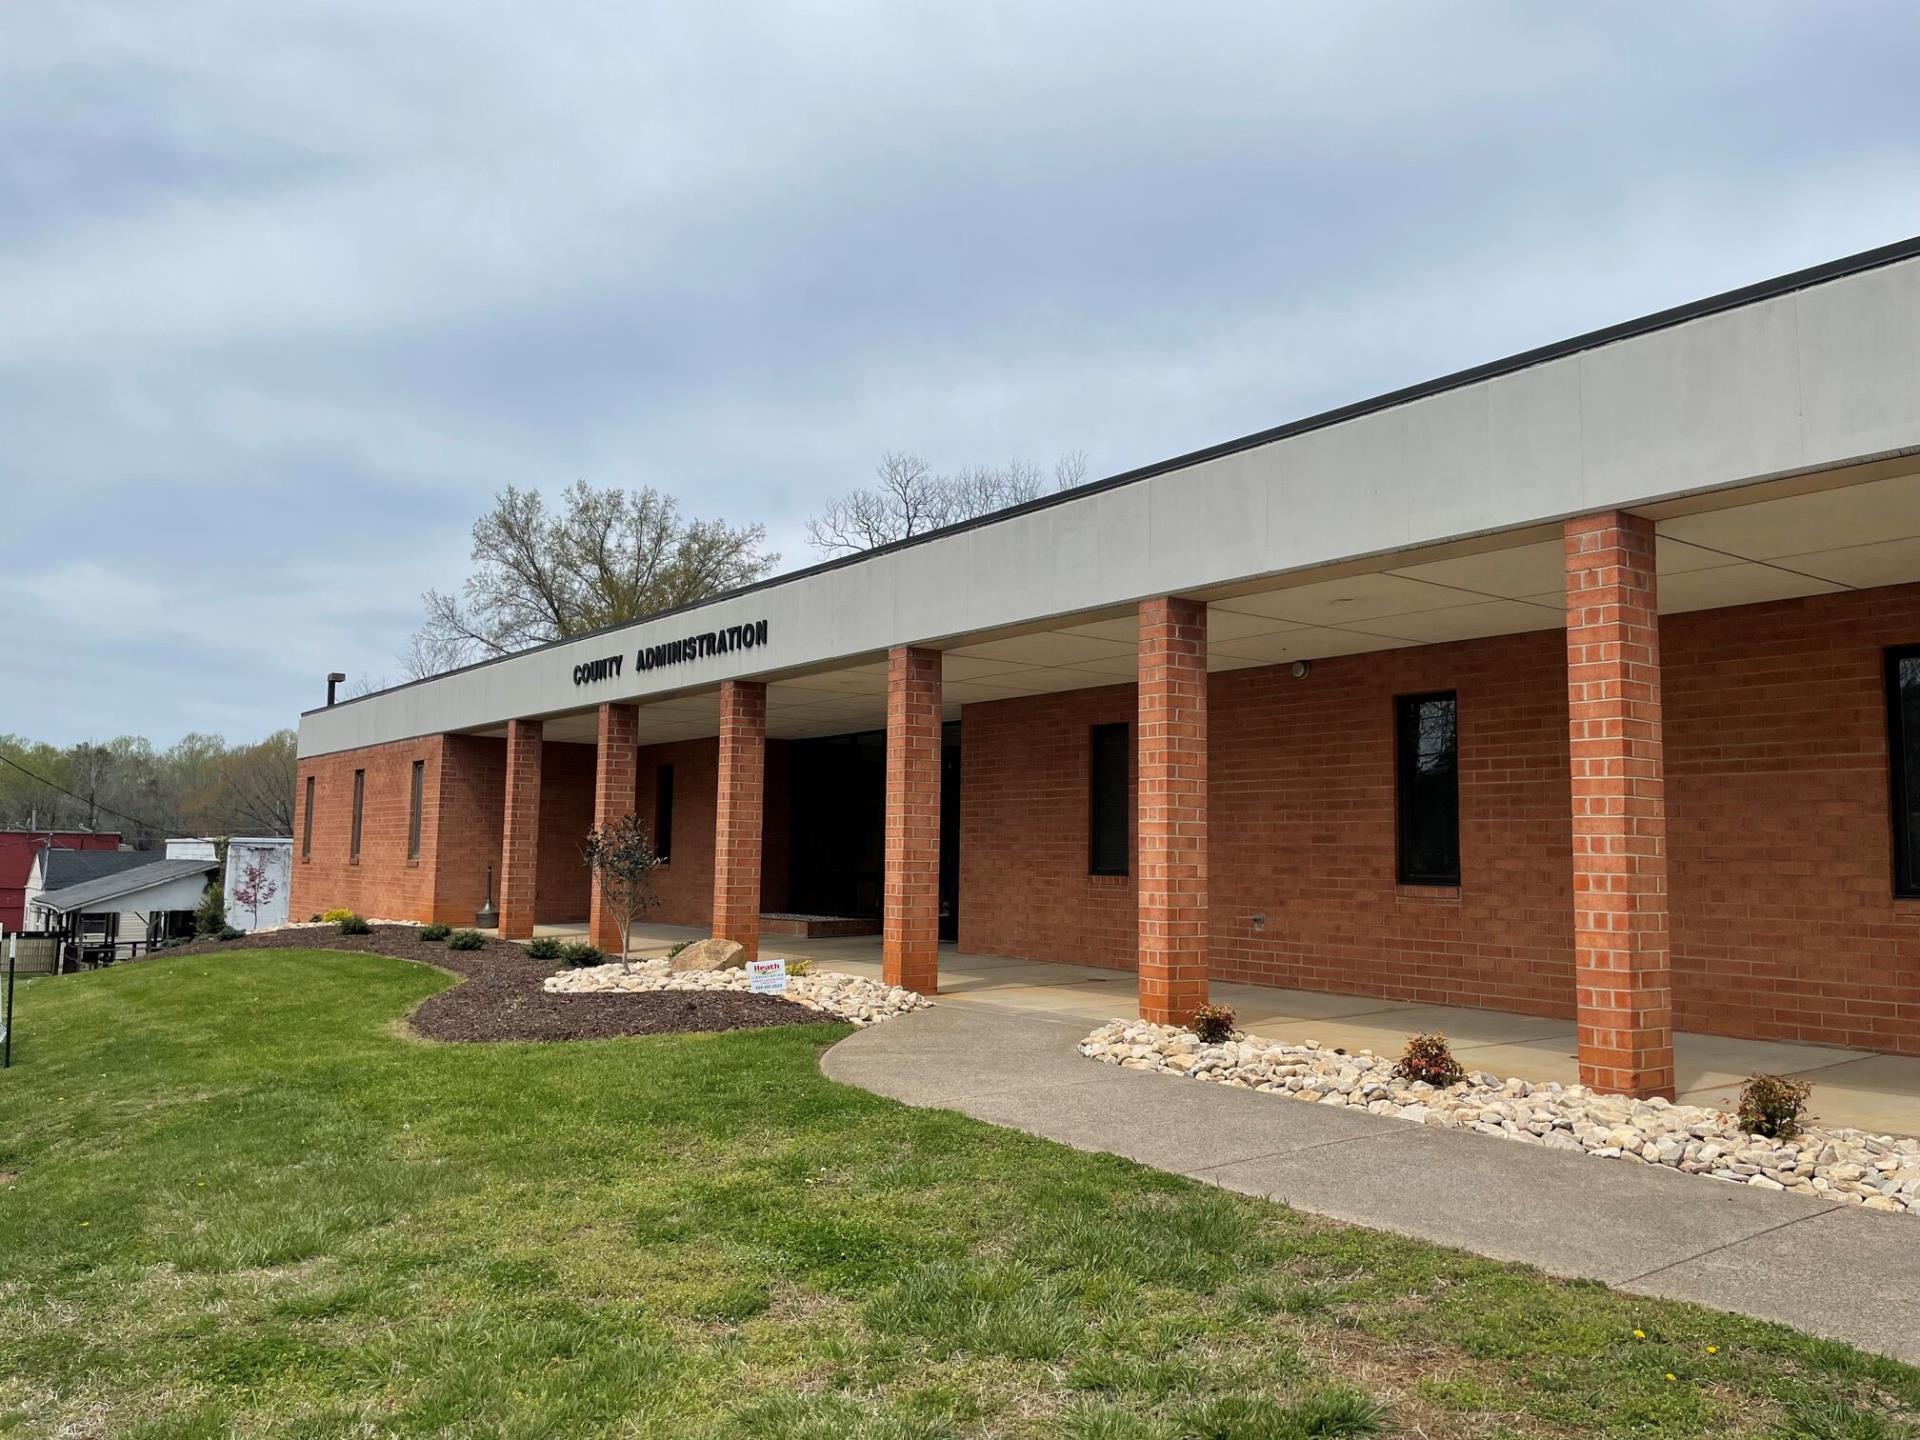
(715, 954)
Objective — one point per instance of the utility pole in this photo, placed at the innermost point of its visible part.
(6, 1028)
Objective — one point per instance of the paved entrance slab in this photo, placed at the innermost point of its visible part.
(1880, 1093)
(1834, 1270)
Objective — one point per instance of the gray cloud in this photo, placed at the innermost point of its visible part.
(287, 292)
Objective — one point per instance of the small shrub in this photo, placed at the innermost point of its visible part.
(435, 931)
(227, 932)
(1213, 1023)
(1428, 1058)
(465, 940)
(578, 952)
(335, 917)
(675, 949)
(1773, 1105)
(799, 964)
(354, 925)
(210, 916)
(544, 947)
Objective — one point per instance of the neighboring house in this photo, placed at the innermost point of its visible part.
(262, 865)
(18, 851)
(58, 869)
(120, 914)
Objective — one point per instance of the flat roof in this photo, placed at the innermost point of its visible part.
(1774, 288)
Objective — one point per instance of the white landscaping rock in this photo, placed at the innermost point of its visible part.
(845, 997)
(1879, 1172)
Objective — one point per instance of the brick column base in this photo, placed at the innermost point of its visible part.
(739, 814)
(1622, 967)
(911, 924)
(1173, 809)
(613, 790)
(520, 830)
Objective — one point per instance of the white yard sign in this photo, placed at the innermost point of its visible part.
(767, 977)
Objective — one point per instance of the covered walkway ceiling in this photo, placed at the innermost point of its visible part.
(1808, 535)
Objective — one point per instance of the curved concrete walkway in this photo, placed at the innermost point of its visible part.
(1834, 1270)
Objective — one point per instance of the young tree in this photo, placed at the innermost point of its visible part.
(622, 855)
(609, 556)
(257, 887)
(909, 499)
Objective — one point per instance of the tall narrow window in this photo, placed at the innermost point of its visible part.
(1109, 770)
(663, 813)
(306, 825)
(1903, 755)
(359, 804)
(414, 807)
(1428, 788)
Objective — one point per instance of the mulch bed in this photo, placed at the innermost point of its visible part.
(499, 995)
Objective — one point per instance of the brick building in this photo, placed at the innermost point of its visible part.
(1583, 684)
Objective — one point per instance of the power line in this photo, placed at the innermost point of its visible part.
(91, 804)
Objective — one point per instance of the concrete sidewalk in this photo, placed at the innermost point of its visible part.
(1879, 1093)
(1834, 1270)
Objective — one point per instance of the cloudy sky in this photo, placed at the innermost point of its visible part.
(289, 290)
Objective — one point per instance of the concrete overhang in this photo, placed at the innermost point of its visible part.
(1773, 435)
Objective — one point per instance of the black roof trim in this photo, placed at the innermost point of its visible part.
(1625, 330)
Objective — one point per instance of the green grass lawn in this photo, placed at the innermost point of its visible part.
(237, 1198)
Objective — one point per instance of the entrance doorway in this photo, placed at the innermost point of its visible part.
(836, 857)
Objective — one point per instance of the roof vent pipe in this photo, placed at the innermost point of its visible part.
(332, 680)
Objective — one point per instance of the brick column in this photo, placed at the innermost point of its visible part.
(1621, 965)
(613, 790)
(911, 924)
(520, 831)
(739, 813)
(1172, 879)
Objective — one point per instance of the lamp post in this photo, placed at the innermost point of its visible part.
(487, 918)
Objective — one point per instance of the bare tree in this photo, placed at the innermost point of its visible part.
(256, 785)
(909, 498)
(609, 556)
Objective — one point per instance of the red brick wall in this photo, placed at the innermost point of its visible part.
(740, 811)
(1024, 886)
(685, 884)
(466, 779)
(519, 878)
(1782, 918)
(472, 805)
(1171, 754)
(1301, 824)
(1622, 979)
(464, 785)
(911, 904)
(566, 815)
(614, 784)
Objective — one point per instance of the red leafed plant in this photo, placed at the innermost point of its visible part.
(1213, 1023)
(1428, 1058)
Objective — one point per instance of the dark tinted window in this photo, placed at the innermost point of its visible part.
(306, 822)
(663, 811)
(1112, 764)
(1427, 741)
(1903, 751)
(359, 804)
(413, 809)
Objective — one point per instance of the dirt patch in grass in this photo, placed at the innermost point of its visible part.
(499, 997)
